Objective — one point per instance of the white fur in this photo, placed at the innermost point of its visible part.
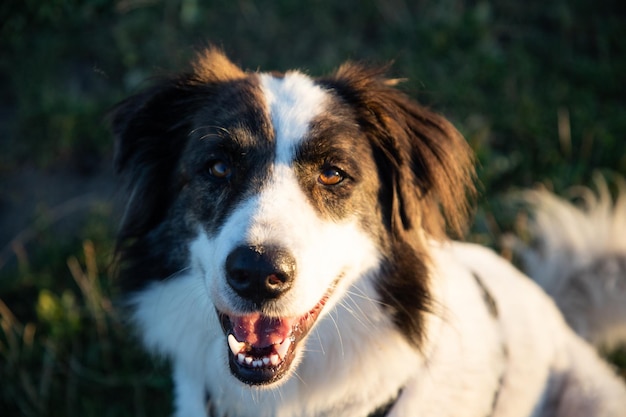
(292, 102)
(352, 318)
(580, 259)
(461, 363)
(572, 237)
(355, 358)
(543, 353)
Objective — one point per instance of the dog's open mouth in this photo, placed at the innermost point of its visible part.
(262, 348)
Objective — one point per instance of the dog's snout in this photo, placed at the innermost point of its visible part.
(260, 273)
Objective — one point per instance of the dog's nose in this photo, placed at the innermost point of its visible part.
(260, 273)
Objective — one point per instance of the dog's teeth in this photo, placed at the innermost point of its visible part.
(282, 348)
(265, 361)
(240, 349)
(234, 345)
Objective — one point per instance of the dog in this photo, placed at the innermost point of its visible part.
(285, 246)
(583, 268)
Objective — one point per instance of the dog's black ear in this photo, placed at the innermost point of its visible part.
(151, 129)
(143, 124)
(426, 166)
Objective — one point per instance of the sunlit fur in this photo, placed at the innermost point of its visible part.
(577, 254)
(411, 319)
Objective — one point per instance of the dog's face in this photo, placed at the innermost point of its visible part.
(279, 206)
(279, 195)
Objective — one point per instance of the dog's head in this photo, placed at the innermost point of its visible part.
(277, 195)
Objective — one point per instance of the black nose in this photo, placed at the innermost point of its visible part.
(260, 273)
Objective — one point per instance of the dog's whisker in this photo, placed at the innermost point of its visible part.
(319, 339)
(176, 274)
(359, 317)
(355, 305)
(220, 131)
(295, 373)
(360, 292)
(289, 204)
(339, 336)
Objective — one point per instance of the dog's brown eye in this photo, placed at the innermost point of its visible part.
(330, 176)
(220, 169)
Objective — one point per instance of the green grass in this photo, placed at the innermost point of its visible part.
(65, 350)
(536, 87)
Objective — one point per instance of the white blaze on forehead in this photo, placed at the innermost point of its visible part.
(293, 101)
(280, 214)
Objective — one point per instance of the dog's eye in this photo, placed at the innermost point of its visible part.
(220, 169)
(330, 176)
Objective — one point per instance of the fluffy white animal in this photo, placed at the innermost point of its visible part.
(284, 246)
(577, 253)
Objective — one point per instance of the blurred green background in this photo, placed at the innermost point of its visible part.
(538, 89)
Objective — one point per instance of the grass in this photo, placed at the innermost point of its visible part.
(65, 350)
(536, 88)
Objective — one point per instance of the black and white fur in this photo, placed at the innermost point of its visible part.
(284, 246)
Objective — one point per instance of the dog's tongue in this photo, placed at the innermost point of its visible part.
(261, 331)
